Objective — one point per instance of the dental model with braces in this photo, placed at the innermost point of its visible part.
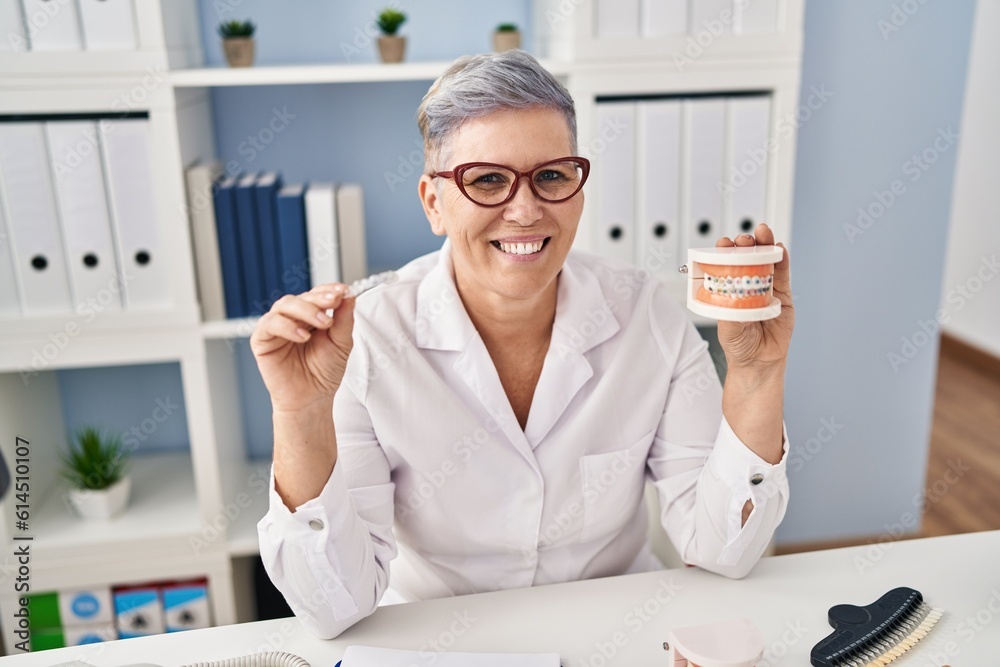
(733, 284)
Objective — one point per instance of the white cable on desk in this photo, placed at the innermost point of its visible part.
(273, 659)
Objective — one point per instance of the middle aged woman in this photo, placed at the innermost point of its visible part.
(493, 416)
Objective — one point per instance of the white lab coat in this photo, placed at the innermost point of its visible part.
(434, 467)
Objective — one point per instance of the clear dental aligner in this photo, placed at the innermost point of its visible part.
(362, 285)
(738, 287)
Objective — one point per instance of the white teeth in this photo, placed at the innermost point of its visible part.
(522, 248)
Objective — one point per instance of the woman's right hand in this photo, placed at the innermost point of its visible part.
(301, 352)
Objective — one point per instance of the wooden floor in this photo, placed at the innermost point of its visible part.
(963, 474)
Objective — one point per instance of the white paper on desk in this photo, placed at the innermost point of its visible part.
(367, 656)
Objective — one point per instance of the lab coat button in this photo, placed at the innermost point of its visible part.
(316, 524)
(757, 479)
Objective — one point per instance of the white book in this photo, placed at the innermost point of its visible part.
(32, 219)
(128, 171)
(10, 302)
(616, 18)
(747, 159)
(367, 656)
(12, 35)
(661, 18)
(201, 212)
(53, 25)
(322, 235)
(83, 211)
(658, 148)
(615, 167)
(108, 25)
(351, 222)
(705, 123)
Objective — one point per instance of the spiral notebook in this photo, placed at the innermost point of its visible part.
(368, 656)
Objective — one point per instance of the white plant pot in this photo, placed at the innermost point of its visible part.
(102, 504)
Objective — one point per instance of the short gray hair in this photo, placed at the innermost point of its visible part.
(476, 86)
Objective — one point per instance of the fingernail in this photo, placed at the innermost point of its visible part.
(328, 296)
(302, 333)
(322, 317)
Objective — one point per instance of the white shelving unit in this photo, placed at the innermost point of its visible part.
(181, 521)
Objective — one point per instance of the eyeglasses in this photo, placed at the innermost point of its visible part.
(489, 184)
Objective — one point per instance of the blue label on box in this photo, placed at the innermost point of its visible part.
(86, 605)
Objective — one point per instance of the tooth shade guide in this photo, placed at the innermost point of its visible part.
(712, 295)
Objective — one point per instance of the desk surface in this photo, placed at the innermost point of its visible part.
(627, 617)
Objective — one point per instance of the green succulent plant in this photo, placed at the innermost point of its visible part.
(389, 20)
(236, 28)
(95, 461)
(507, 27)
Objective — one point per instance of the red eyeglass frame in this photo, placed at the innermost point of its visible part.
(455, 174)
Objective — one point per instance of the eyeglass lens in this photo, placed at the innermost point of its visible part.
(492, 184)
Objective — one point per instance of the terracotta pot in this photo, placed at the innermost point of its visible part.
(102, 504)
(505, 41)
(392, 48)
(239, 51)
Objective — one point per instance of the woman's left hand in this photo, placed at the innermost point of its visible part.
(760, 345)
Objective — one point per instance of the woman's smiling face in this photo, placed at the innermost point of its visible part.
(480, 236)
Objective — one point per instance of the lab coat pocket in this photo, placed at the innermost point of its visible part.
(613, 484)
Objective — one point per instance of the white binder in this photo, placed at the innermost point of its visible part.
(617, 18)
(108, 25)
(75, 158)
(746, 174)
(10, 302)
(351, 223)
(55, 25)
(12, 35)
(705, 150)
(128, 170)
(708, 15)
(615, 166)
(322, 235)
(658, 148)
(201, 211)
(32, 220)
(660, 18)
(755, 17)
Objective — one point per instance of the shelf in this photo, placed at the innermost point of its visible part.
(235, 328)
(162, 514)
(310, 74)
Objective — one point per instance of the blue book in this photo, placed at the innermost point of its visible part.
(230, 258)
(266, 191)
(292, 239)
(250, 245)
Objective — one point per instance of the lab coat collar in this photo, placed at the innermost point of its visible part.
(584, 319)
(442, 322)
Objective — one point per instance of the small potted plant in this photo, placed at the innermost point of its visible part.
(391, 47)
(237, 42)
(506, 37)
(96, 469)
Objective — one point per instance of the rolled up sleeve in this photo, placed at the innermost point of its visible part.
(704, 473)
(330, 557)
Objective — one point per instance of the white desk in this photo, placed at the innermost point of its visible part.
(787, 596)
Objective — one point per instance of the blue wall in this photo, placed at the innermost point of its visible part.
(144, 404)
(321, 31)
(856, 301)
